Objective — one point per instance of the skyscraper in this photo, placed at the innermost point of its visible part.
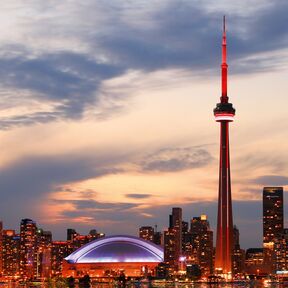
(173, 239)
(224, 113)
(43, 254)
(1, 248)
(281, 251)
(71, 233)
(28, 248)
(272, 214)
(272, 224)
(11, 253)
(202, 242)
(59, 250)
(146, 233)
(238, 253)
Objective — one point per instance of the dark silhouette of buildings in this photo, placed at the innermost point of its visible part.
(224, 113)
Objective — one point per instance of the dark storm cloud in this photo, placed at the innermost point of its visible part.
(138, 196)
(271, 180)
(177, 159)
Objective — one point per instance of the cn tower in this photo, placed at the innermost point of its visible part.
(224, 113)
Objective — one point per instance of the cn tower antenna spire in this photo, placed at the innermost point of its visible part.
(224, 66)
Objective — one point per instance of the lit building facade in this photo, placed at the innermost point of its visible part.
(28, 249)
(1, 248)
(254, 261)
(238, 257)
(173, 239)
(202, 243)
(273, 223)
(281, 252)
(59, 250)
(146, 233)
(11, 253)
(272, 214)
(43, 254)
(78, 240)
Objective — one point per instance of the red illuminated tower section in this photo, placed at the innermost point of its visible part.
(224, 113)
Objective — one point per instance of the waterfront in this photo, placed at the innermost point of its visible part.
(156, 285)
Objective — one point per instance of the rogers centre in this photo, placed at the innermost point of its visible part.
(110, 255)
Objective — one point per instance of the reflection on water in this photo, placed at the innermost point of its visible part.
(170, 285)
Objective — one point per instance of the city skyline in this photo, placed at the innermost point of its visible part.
(106, 112)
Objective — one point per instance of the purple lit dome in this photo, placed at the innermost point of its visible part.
(117, 249)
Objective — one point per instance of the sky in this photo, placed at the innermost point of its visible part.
(106, 111)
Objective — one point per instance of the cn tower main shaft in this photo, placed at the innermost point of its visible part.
(224, 113)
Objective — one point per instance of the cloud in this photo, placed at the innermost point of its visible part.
(138, 196)
(177, 159)
(70, 82)
(33, 177)
(93, 206)
(174, 39)
(271, 180)
(66, 59)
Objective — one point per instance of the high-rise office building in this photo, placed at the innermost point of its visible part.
(80, 240)
(273, 220)
(43, 254)
(28, 249)
(173, 239)
(238, 257)
(71, 233)
(272, 214)
(59, 250)
(281, 252)
(170, 247)
(146, 233)
(202, 243)
(158, 238)
(224, 114)
(254, 261)
(175, 222)
(1, 248)
(185, 236)
(11, 253)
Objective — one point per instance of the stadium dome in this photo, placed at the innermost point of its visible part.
(117, 249)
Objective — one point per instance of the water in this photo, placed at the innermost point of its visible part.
(170, 285)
